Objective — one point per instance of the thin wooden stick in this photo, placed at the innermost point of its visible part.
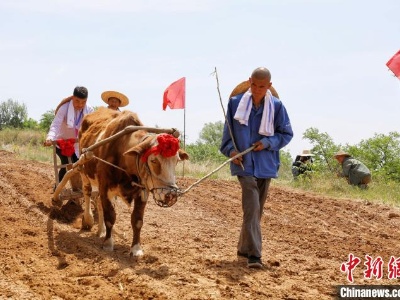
(226, 121)
(217, 169)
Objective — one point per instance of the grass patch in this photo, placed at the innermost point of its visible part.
(199, 170)
(327, 184)
(27, 144)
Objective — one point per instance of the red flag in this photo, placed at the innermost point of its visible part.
(174, 95)
(394, 64)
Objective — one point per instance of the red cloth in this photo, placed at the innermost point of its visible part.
(66, 146)
(168, 146)
(394, 64)
(174, 95)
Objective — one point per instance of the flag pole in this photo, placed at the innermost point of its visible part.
(184, 128)
(184, 139)
(174, 97)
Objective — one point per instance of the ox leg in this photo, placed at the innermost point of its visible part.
(137, 223)
(101, 230)
(87, 219)
(109, 221)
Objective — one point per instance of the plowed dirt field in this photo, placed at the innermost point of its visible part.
(190, 248)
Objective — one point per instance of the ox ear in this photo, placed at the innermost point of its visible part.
(140, 148)
(183, 155)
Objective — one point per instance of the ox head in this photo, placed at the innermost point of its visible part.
(157, 157)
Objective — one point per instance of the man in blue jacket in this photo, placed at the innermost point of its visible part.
(255, 118)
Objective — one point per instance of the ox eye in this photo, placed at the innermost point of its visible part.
(153, 161)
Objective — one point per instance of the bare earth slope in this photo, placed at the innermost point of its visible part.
(190, 248)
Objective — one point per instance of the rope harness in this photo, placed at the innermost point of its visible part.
(119, 168)
(168, 146)
(172, 194)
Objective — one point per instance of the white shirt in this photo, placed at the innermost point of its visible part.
(59, 128)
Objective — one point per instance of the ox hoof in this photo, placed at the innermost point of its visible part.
(108, 248)
(136, 251)
(86, 225)
(108, 245)
(101, 232)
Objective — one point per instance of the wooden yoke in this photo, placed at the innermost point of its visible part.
(130, 129)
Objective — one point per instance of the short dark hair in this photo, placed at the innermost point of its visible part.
(81, 92)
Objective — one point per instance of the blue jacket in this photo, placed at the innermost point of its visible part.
(260, 164)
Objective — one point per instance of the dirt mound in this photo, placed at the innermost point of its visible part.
(190, 248)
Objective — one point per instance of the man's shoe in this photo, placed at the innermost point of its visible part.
(242, 254)
(254, 262)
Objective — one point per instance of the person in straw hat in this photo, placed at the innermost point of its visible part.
(353, 170)
(66, 124)
(114, 99)
(302, 164)
(255, 118)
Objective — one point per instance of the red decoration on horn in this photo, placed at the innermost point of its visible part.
(168, 146)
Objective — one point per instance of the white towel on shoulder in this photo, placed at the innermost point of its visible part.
(72, 122)
(71, 115)
(267, 120)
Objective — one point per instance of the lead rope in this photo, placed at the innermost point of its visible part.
(137, 166)
(180, 193)
(110, 164)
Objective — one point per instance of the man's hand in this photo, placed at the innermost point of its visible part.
(47, 143)
(258, 146)
(236, 161)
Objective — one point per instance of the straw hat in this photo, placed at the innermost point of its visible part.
(245, 85)
(306, 153)
(341, 153)
(113, 94)
(63, 101)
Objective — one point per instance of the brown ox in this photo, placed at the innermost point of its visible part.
(137, 168)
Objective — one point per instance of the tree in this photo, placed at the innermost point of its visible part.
(211, 133)
(323, 148)
(12, 114)
(286, 165)
(46, 120)
(381, 154)
(206, 147)
(30, 124)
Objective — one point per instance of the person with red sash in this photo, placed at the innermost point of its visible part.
(65, 126)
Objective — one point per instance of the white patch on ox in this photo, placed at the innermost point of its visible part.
(167, 176)
(136, 250)
(108, 245)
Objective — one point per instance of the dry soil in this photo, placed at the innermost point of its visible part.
(190, 248)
